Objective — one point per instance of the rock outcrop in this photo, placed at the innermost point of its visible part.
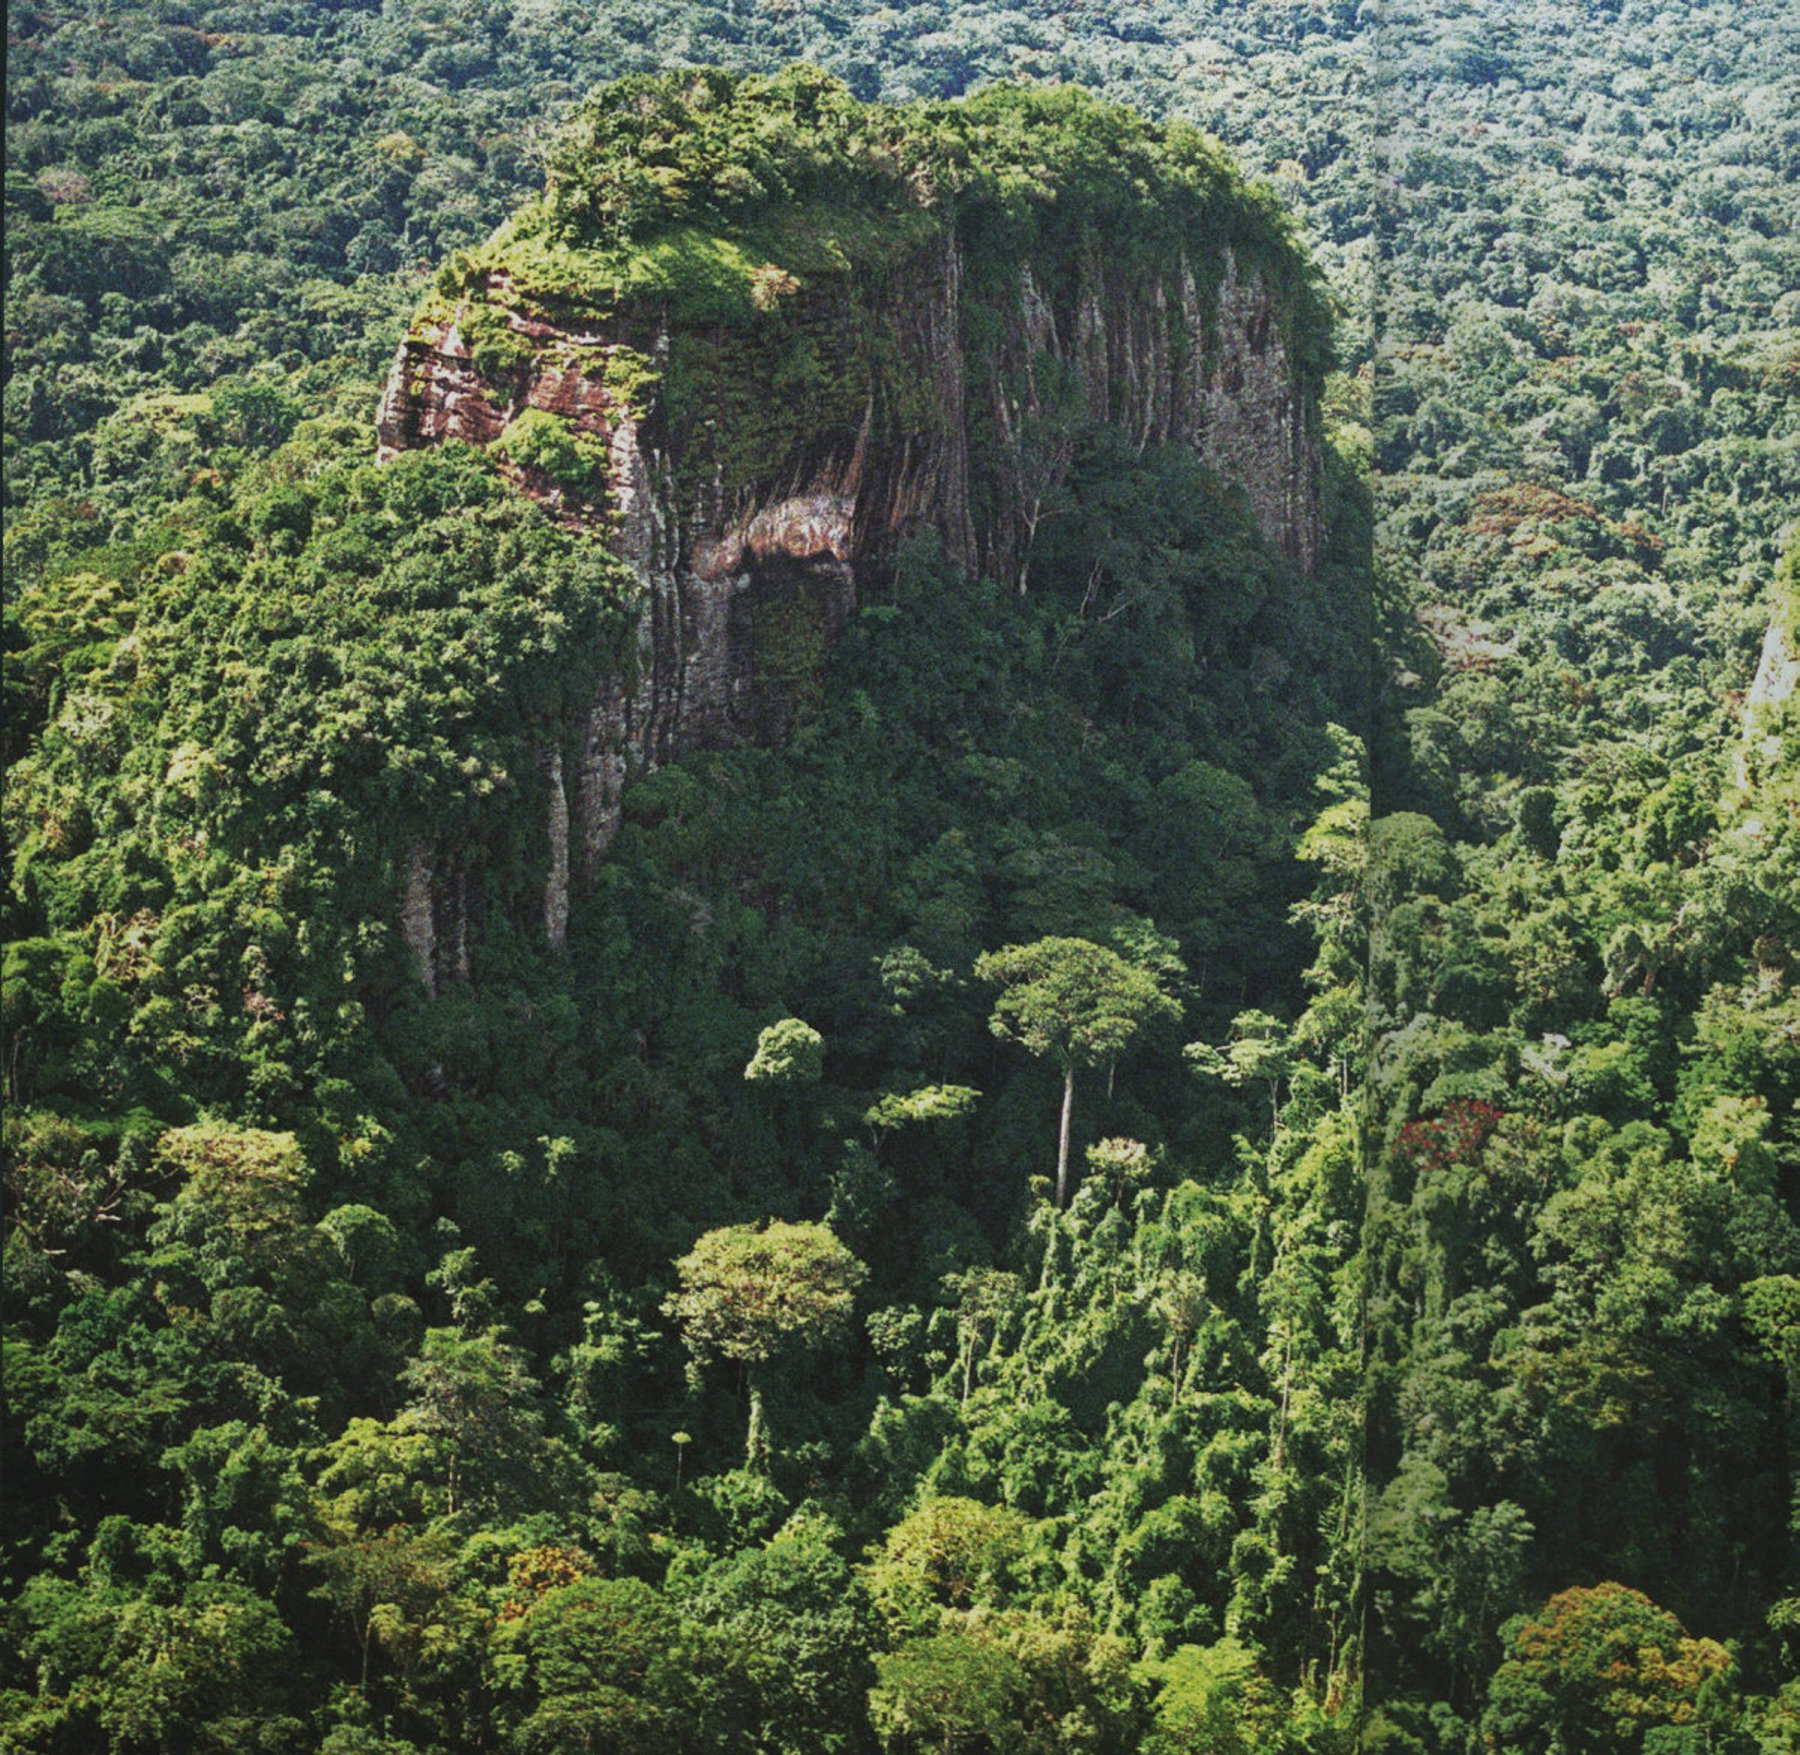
(756, 469)
(1777, 677)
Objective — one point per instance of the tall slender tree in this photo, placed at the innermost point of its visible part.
(1077, 1002)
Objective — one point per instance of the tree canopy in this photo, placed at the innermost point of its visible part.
(1075, 1002)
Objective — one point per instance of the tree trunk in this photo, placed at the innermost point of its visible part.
(1287, 1384)
(1062, 1143)
(756, 1442)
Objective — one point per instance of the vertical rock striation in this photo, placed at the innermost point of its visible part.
(756, 467)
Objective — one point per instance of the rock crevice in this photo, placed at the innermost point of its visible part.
(751, 529)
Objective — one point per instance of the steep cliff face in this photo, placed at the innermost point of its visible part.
(756, 426)
(1777, 677)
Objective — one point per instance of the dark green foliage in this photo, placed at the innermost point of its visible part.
(250, 723)
(972, 774)
(129, 1658)
(607, 1664)
(1090, 1478)
(797, 1621)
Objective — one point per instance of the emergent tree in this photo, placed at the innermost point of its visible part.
(1075, 1001)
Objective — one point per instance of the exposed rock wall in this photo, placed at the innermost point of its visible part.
(943, 408)
(1777, 677)
(1777, 672)
(418, 927)
(556, 885)
(434, 913)
(1255, 430)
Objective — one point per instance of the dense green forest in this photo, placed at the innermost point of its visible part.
(1201, 1157)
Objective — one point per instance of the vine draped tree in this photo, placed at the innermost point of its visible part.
(1076, 1002)
(748, 1294)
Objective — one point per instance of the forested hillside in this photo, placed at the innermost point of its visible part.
(1580, 1237)
(1192, 1148)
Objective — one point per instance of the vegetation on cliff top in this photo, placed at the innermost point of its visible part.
(714, 197)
